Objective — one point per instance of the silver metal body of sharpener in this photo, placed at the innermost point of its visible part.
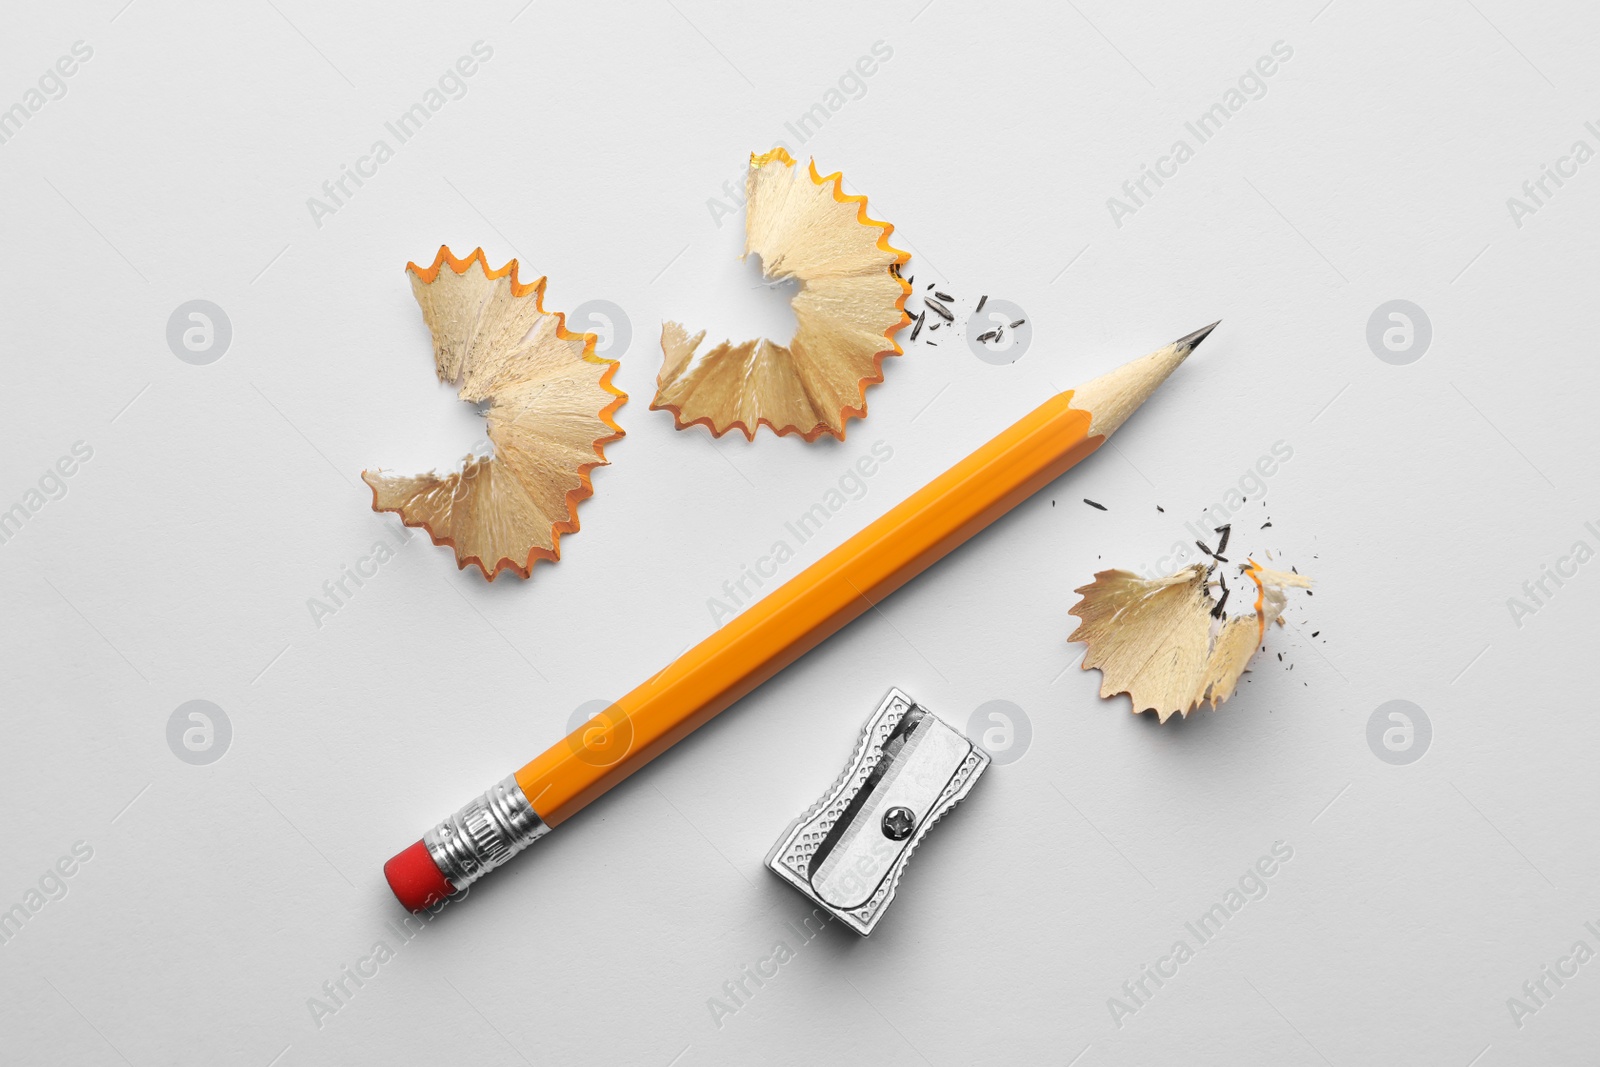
(848, 851)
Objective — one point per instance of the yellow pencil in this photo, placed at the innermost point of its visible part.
(777, 630)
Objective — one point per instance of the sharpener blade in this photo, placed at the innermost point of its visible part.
(848, 851)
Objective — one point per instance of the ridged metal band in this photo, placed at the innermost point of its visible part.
(485, 833)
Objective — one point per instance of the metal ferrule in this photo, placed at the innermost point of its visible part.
(485, 833)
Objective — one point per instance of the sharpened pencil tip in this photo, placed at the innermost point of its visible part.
(1192, 341)
(1113, 396)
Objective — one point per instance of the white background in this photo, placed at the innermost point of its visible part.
(219, 498)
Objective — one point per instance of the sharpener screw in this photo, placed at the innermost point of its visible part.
(897, 823)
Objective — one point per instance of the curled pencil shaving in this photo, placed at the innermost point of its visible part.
(550, 411)
(1154, 639)
(850, 304)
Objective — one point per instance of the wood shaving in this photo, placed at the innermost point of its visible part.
(850, 304)
(1154, 639)
(550, 411)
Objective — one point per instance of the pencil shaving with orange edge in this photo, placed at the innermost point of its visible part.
(551, 407)
(1153, 639)
(851, 302)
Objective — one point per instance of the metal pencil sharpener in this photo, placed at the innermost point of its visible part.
(848, 850)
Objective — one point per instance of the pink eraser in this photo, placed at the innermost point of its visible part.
(416, 879)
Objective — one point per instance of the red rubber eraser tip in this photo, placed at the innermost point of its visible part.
(416, 879)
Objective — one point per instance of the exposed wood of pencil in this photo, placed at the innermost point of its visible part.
(1112, 397)
(850, 580)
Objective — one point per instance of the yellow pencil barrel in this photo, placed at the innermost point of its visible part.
(808, 609)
